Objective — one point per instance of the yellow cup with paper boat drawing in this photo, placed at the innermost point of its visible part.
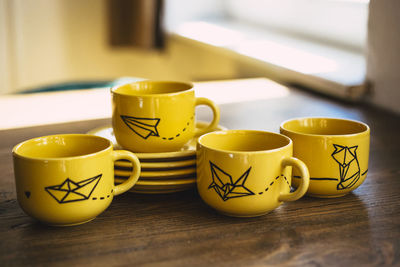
(68, 179)
(336, 152)
(245, 173)
(157, 116)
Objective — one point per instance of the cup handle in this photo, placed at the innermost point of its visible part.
(131, 181)
(305, 179)
(215, 110)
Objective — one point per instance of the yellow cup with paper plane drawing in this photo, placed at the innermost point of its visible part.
(336, 152)
(68, 179)
(246, 173)
(157, 116)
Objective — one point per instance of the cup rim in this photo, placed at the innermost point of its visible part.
(190, 84)
(16, 153)
(199, 141)
(366, 131)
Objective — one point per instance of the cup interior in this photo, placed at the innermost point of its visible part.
(243, 141)
(324, 126)
(152, 88)
(61, 146)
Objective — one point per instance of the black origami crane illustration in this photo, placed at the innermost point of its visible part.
(144, 127)
(225, 187)
(70, 191)
(349, 167)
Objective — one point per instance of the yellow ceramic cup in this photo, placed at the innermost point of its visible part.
(156, 116)
(246, 173)
(68, 179)
(336, 152)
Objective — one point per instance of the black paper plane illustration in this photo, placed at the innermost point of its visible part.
(70, 191)
(349, 167)
(144, 127)
(225, 187)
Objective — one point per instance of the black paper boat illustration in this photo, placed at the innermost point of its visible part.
(144, 127)
(70, 191)
(225, 187)
(349, 167)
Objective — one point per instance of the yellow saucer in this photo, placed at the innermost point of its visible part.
(164, 187)
(158, 174)
(161, 183)
(188, 150)
(156, 192)
(161, 186)
(157, 165)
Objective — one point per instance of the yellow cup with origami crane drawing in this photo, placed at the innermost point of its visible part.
(336, 152)
(245, 173)
(68, 179)
(157, 116)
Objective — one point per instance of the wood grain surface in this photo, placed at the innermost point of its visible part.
(362, 228)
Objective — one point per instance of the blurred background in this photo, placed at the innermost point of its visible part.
(347, 49)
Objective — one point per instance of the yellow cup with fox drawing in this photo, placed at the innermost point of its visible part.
(68, 179)
(247, 173)
(335, 150)
(157, 116)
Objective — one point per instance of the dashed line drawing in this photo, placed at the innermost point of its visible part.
(276, 178)
(179, 134)
(227, 188)
(146, 127)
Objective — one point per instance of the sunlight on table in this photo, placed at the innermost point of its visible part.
(78, 105)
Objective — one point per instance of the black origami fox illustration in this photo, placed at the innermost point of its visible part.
(349, 167)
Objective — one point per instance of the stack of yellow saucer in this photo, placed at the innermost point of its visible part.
(164, 172)
(160, 175)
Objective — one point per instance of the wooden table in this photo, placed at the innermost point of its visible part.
(362, 228)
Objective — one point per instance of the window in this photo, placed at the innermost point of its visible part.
(316, 43)
(339, 22)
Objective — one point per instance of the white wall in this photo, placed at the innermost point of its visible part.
(44, 42)
(383, 60)
(6, 78)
